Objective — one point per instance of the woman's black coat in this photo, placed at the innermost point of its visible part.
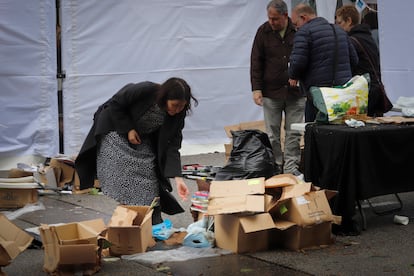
(120, 113)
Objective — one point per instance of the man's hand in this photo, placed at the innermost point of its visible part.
(258, 97)
(293, 83)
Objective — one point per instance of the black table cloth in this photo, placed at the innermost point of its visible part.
(359, 163)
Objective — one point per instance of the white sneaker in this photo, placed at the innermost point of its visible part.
(299, 175)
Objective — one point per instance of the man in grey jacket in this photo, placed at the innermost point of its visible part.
(322, 54)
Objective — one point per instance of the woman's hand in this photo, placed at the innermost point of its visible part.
(133, 137)
(182, 189)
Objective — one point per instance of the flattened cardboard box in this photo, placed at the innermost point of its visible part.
(72, 244)
(242, 234)
(13, 241)
(236, 196)
(130, 230)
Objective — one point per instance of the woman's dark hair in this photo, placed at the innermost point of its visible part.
(176, 89)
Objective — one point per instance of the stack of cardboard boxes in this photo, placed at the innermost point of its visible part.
(257, 214)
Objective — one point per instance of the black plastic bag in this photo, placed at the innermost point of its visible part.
(250, 157)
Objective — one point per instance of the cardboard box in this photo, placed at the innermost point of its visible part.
(17, 192)
(302, 217)
(65, 173)
(17, 198)
(236, 196)
(260, 125)
(242, 234)
(302, 237)
(72, 245)
(13, 241)
(130, 230)
(227, 150)
(303, 204)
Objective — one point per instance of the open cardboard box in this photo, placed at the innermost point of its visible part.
(130, 230)
(302, 217)
(236, 196)
(243, 233)
(71, 245)
(13, 241)
(303, 204)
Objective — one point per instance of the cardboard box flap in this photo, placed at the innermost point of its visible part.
(281, 180)
(122, 216)
(13, 240)
(336, 220)
(277, 206)
(125, 215)
(8, 251)
(296, 190)
(256, 223)
(96, 226)
(283, 224)
(236, 204)
(289, 191)
(229, 188)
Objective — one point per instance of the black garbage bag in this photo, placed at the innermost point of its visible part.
(250, 157)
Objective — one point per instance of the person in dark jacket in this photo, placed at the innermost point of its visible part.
(269, 79)
(347, 17)
(133, 145)
(322, 54)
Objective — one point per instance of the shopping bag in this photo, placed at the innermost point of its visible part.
(336, 103)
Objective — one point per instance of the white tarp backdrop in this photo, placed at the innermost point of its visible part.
(28, 102)
(106, 44)
(396, 36)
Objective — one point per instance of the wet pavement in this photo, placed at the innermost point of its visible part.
(385, 248)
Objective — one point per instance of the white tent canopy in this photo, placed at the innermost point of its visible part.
(106, 44)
